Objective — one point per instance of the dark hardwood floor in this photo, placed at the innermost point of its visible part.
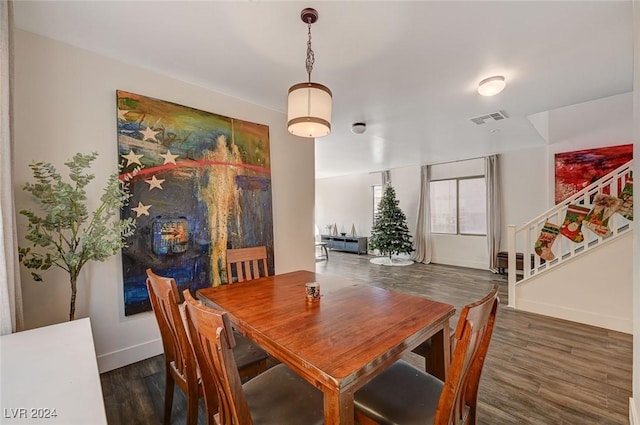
(539, 370)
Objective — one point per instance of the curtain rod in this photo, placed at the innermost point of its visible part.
(461, 160)
(438, 163)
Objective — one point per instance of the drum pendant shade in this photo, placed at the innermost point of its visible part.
(309, 110)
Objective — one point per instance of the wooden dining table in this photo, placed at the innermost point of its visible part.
(340, 342)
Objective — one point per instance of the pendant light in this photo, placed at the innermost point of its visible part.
(309, 104)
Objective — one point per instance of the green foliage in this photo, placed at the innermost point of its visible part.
(390, 234)
(63, 233)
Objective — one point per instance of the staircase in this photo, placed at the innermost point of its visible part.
(565, 251)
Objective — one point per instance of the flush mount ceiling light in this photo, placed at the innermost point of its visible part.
(358, 127)
(491, 86)
(309, 104)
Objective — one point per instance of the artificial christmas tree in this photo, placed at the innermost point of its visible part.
(390, 234)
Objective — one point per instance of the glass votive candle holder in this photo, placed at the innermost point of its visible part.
(312, 291)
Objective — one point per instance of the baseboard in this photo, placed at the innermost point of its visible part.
(460, 263)
(129, 355)
(633, 415)
(586, 317)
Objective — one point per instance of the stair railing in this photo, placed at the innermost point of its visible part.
(523, 238)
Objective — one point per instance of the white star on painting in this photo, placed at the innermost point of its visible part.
(122, 113)
(132, 158)
(149, 134)
(154, 182)
(141, 209)
(169, 158)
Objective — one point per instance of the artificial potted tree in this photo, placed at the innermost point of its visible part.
(390, 234)
(63, 233)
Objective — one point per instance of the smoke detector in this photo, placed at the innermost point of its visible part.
(494, 116)
(358, 128)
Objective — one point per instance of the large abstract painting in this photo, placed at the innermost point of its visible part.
(200, 183)
(578, 169)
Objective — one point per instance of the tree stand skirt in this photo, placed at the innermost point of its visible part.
(386, 261)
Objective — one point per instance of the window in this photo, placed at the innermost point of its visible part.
(472, 206)
(459, 206)
(377, 196)
(444, 206)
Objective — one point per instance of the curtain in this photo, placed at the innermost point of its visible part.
(386, 178)
(494, 210)
(10, 290)
(422, 240)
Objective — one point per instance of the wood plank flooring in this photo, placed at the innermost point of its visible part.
(539, 370)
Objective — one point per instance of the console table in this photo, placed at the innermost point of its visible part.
(355, 244)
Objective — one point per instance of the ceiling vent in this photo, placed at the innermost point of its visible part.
(494, 116)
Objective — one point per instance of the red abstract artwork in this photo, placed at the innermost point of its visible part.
(578, 169)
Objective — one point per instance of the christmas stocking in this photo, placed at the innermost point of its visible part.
(626, 201)
(598, 218)
(546, 239)
(572, 225)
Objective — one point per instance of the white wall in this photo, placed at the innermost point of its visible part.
(346, 201)
(350, 199)
(594, 288)
(526, 176)
(65, 102)
(525, 185)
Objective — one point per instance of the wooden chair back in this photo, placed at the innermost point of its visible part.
(213, 342)
(180, 361)
(249, 263)
(164, 296)
(457, 403)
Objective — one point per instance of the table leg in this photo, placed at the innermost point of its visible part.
(338, 408)
(437, 361)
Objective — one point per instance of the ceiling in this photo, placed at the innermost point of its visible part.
(407, 69)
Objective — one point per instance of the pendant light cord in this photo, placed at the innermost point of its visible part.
(310, 55)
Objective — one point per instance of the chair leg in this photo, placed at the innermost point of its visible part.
(168, 395)
(361, 419)
(472, 416)
(192, 404)
(262, 366)
(253, 369)
(192, 408)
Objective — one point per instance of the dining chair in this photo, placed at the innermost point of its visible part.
(249, 263)
(179, 358)
(277, 396)
(405, 395)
